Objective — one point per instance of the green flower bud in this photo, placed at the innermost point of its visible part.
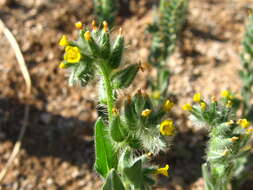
(130, 114)
(105, 45)
(124, 77)
(94, 48)
(139, 102)
(117, 52)
(116, 129)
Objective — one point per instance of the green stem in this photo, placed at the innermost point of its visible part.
(108, 90)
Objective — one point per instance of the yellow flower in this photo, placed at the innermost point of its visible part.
(150, 155)
(146, 113)
(105, 26)
(226, 94)
(246, 148)
(64, 41)
(243, 123)
(233, 139)
(203, 105)
(62, 65)
(87, 35)
(249, 131)
(163, 171)
(156, 94)
(225, 153)
(168, 105)
(197, 97)
(213, 99)
(115, 111)
(167, 128)
(230, 122)
(94, 25)
(229, 104)
(79, 25)
(72, 54)
(187, 107)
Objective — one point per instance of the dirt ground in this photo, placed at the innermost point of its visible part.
(57, 151)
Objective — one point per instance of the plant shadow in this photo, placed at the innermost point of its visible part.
(48, 134)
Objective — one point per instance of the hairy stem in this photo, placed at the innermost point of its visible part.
(108, 89)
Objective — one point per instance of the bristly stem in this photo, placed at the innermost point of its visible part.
(108, 89)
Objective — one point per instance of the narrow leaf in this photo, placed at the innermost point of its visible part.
(106, 157)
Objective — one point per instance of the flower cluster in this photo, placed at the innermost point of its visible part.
(142, 123)
(229, 137)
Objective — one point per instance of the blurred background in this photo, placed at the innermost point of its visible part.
(57, 150)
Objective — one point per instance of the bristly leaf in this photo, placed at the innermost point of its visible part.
(134, 173)
(113, 181)
(106, 157)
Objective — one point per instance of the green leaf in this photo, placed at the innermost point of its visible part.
(134, 173)
(207, 177)
(106, 157)
(113, 182)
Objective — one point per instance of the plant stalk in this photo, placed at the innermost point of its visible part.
(108, 90)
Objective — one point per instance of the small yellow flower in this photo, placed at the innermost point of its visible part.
(203, 105)
(225, 153)
(233, 139)
(150, 155)
(187, 107)
(72, 54)
(115, 111)
(87, 35)
(230, 122)
(156, 94)
(163, 171)
(105, 26)
(167, 128)
(229, 104)
(120, 31)
(168, 105)
(79, 25)
(94, 25)
(246, 148)
(213, 99)
(146, 113)
(64, 41)
(62, 65)
(243, 123)
(197, 97)
(249, 131)
(225, 94)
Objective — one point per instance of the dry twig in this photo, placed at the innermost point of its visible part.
(27, 78)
